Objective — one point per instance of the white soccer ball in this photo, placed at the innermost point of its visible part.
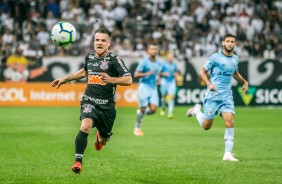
(63, 34)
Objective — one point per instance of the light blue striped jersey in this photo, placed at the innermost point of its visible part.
(221, 68)
(145, 66)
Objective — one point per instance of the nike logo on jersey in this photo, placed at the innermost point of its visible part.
(104, 65)
(91, 57)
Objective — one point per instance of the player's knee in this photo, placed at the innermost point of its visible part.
(206, 127)
(207, 124)
(86, 127)
(153, 110)
(229, 124)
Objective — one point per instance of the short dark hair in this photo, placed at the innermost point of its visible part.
(229, 35)
(103, 30)
(154, 43)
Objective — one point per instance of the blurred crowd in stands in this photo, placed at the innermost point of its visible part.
(188, 27)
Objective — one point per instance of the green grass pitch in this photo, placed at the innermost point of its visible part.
(37, 146)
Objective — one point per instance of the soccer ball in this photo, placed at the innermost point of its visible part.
(63, 34)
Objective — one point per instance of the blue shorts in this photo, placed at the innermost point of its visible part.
(168, 87)
(212, 107)
(147, 95)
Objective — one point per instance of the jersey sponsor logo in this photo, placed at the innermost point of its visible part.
(224, 74)
(95, 100)
(104, 65)
(95, 79)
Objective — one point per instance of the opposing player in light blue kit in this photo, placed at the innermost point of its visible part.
(222, 66)
(168, 85)
(148, 71)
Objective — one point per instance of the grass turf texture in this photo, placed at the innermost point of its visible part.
(37, 146)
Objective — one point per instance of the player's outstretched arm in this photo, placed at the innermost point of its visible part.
(123, 81)
(75, 76)
(239, 78)
(204, 76)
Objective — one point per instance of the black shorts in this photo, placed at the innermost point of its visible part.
(103, 119)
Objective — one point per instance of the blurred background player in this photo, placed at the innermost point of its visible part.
(147, 70)
(222, 66)
(104, 71)
(168, 84)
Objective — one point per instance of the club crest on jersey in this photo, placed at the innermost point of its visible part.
(104, 65)
(87, 108)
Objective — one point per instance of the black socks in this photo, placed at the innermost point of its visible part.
(80, 145)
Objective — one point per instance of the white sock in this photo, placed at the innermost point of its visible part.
(200, 117)
(138, 124)
(78, 155)
(229, 139)
(170, 107)
(139, 118)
